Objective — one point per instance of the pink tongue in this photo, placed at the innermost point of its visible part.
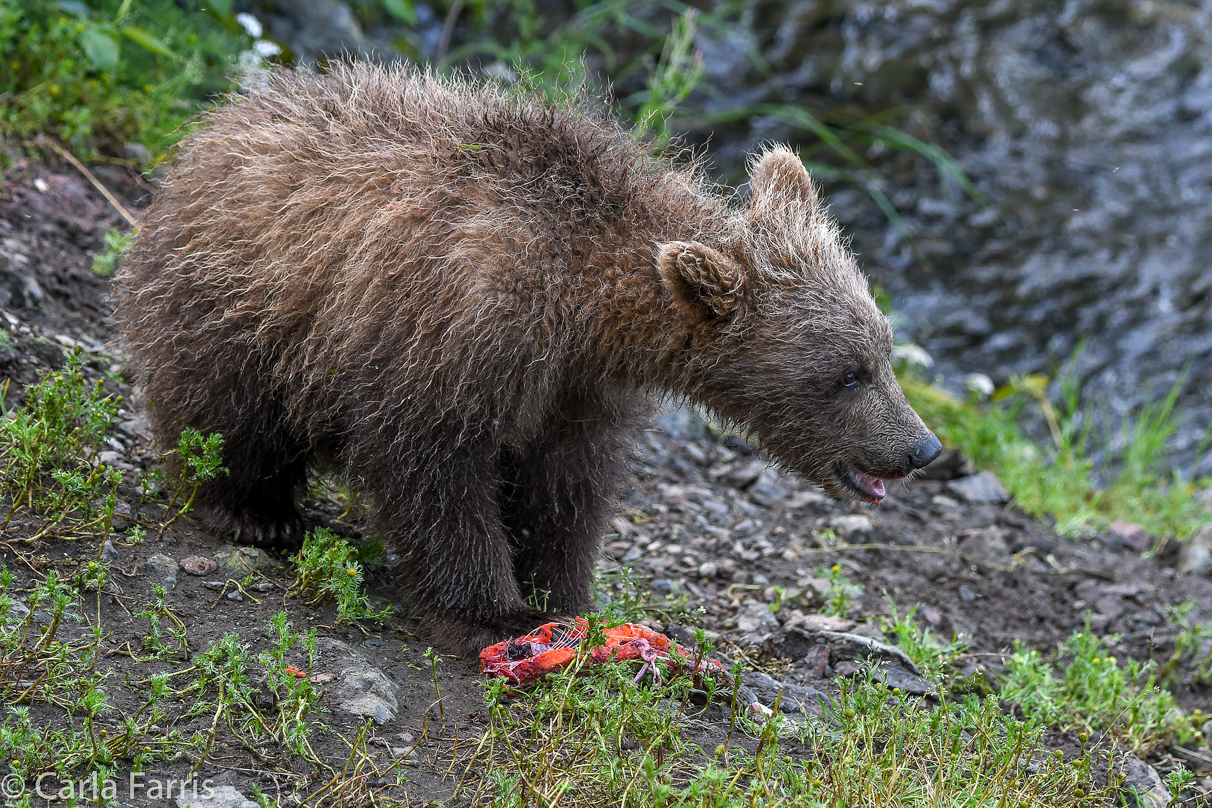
(872, 485)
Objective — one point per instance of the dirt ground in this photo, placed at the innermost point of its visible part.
(720, 540)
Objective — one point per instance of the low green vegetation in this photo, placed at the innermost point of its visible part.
(49, 450)
(327, 571)
(105, 73)
(597, 737)
(1092, 691)
(116, 242)
(1059, 478)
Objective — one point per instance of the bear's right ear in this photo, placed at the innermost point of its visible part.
(777, 176)
(704, 281)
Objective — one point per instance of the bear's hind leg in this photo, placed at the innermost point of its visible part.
(255, 501)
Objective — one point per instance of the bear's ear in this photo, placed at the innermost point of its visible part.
(776, 176)
(701, 279)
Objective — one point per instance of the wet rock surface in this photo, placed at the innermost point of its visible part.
(1088, 127)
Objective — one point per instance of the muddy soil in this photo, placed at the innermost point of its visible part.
(719, 540)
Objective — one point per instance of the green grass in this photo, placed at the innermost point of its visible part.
(596, 737)
(100, 74)
(1059, 479)
(1090, 690)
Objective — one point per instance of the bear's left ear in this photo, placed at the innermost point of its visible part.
(777, 175)
(703, 280)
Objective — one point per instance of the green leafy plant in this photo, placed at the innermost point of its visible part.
(49, 448)
(116, 242)
(933, 657)
(1059, 478)
(327, 571)
(112, 71)
(1092, 691)
(842, 594)
(201, 461)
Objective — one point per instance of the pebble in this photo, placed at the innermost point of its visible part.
(851, 524)
(198, 565)
(966, 594)
(1143, 787)
(708, 570)
(364, 690)
(756, 619)
(1195, 557)
(987, 546)
(235, 595)
(213, 797)
(983, 488)
(1131, 535)
(163, 570)
(244, 559)
(662, 585)
(109, 553)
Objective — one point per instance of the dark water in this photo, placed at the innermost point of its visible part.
(1088, 125)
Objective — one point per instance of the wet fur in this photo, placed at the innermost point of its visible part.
(462, 296)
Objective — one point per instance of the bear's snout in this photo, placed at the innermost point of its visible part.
(924, 452)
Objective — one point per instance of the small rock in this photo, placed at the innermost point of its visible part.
(1131, 535)
(366, 691)
(618, 549)
(163, 569)
(769, 490)
(820, 622)
(17, 612)
(809, 496)
(708, 570)
(987, 546)
(756, 619)
(850, 524)
(758, 579)
(198, 565)
(870, 629)
(212, 797)
(109, 554)
(1143, 786)
(982, 488)
(662, 585)
(235, 595)
(791, 698)
(267, 586)
(402, 751)
(242, 560)
(895, 677)
(213, 584)
(124, 515)
(966, 594)
(634, 554)
(1195, 557)
(744, 475)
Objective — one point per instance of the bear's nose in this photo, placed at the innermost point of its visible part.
(924, 451)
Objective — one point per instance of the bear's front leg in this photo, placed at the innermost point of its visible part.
(455, 559)
(555, 501)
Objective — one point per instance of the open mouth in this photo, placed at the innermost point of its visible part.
(868, 489)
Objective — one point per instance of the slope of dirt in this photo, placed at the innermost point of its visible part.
(720, 540)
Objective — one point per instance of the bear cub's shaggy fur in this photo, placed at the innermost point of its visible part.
(463, 297)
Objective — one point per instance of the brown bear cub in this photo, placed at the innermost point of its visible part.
(463, 297)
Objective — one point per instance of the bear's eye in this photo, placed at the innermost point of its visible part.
(850, 379)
